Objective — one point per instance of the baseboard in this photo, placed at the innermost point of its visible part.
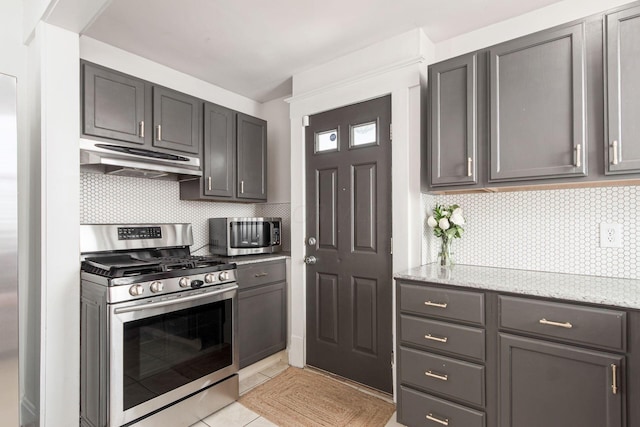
(296, 352)
(263, 364)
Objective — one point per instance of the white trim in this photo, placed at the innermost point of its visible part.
(362, 77)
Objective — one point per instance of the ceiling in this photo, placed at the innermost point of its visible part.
(253, 47)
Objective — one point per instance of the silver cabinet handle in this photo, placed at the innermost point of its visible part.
(437, 376)
(432, 338)
(159, 132)
(241, 187)
(469, 162)
(436, 304)
(614, 144)
(614, 379)
(260, 274)
(578, 155)
(566, 325)
(209, 183)
(141, 129)
(444, 422)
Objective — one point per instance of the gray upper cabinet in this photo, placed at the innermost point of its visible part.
(113, 105)
(554, 385)
(176, 120)
(622, 148)
(219, 151)
(453, 115)
(252, 158)
(537, 98)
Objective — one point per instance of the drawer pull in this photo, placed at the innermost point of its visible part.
(436, 304)
(437, 376)
(614, 379)
(559, 324)
(444, 422)
(260, 274)
(432, 338)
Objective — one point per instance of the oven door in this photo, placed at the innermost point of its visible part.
(164, 350)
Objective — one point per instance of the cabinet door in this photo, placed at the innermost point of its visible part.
(452, 135)
(537, 106)
(113, 105)
(623, 91)
(262, 322)
(176, 121)
(554, 385)
(252, 158)
(219, 151)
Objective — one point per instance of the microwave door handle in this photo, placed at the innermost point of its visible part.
(173, 301)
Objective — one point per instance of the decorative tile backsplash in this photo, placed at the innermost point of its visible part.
(550, 230)
(117, 199)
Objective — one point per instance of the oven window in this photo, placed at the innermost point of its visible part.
(164, 352)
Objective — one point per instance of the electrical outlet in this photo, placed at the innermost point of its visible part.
(610, 235)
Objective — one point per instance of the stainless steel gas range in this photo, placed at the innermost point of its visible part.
(158, 327)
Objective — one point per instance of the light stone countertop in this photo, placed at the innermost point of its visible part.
(571, 287)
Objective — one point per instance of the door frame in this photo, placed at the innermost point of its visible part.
(406, 84)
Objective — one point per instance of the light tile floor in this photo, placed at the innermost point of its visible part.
(237, 415)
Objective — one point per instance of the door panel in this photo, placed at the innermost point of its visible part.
(114, 105)
(623, 91)
(219, 151)
(364, 207)
(252, 158)
(327, 314)
(364, 291)
(348, 164)
(176, 120)
(573, 385)
(327, 203)
(538, 106)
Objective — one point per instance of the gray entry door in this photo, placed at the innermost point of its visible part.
(348, 199)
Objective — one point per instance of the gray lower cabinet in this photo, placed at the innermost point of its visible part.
(453, 117)
(537, 97)
(532, 363)
(262, 311)
(622, 148)
(114, 105)
(176, 120)
(252, 158)
(555, 385)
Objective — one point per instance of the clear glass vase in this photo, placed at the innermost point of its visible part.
(445, 253)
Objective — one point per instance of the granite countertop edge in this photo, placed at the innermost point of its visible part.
(610, 291)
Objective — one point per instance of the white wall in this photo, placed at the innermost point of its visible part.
(276, 113)
(400, 77)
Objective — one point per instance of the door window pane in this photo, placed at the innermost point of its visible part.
(327, 141)
(364, 134)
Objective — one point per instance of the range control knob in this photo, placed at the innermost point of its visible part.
(209, 278)
(156, 287)
(223, 276)
(184, 282)
(136, 290)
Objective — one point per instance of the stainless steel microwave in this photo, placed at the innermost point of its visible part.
(245, 236)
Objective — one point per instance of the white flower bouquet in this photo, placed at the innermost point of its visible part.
(446, 223)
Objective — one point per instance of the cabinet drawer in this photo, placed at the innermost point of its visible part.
(584, 325)
(446, 337)
(416, 407)
(455, 378)
(261, 273)
(444, 303)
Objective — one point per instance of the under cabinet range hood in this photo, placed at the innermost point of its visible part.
(112, 159)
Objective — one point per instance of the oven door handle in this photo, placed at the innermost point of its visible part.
(150, 305)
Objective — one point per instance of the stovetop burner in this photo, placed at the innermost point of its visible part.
(126, 265)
